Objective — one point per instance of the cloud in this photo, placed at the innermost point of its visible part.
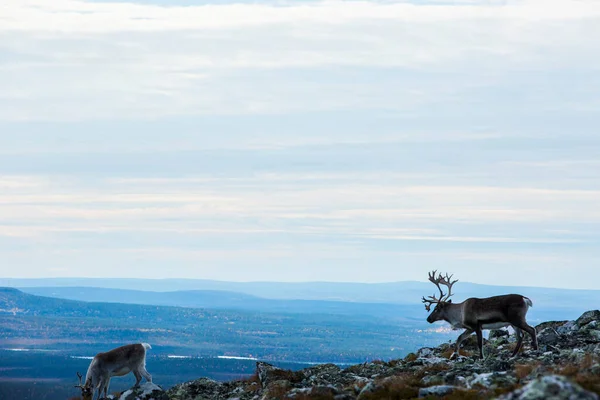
(76, 60)
(336, 206)
(300, 140)
(82, 16)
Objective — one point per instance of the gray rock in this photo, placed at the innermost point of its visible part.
(588, 317)
(323, 375)
(146, 391)
(548, 336)
(323, 391)
(368, 389)
(567, 328)
(549, 324)
(594, 334)
(440, 390)
(268, 373)
(592, 325)
(265, 372)
(491, 380)
(367, 370)
(432, 380)
(495, 363)
(425, 352)
(498, 333)
(550, 387)
(200, 389)
(275, 390)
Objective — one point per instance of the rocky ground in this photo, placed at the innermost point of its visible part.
(567, 366)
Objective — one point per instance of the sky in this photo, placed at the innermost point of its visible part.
(355, 141)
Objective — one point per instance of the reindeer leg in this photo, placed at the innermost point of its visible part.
(460, 339)
(146, 374)
(138, 377)
(519, 334)
(531, 331)
(106, 388)
(99, 388)
(479, 334)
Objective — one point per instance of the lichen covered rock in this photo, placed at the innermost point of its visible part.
(146, 391)
(551, 387)
(567, 366)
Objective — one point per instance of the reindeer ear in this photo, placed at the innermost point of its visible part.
(450, 301)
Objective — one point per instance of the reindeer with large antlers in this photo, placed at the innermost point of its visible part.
(475, 314)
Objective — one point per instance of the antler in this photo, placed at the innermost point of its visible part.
(79, 376)
(437, 281)
(429, 301)
(448, 282)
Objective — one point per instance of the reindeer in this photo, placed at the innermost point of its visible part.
(116, 362)
(475, 314)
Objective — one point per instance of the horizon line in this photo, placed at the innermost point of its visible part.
(277, 282)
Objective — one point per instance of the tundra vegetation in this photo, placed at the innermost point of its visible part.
(566, 366)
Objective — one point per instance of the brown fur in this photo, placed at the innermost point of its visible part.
(474, 314)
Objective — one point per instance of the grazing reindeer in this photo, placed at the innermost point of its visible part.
(116, 362)
(475, 314)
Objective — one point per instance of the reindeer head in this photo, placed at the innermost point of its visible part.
(86, 390)
(443, 301)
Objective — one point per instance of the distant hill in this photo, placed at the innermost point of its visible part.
(37, 322)
(225, 300)
(548, 302)
(407, 292)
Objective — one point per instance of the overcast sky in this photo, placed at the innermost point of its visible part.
(332, 140)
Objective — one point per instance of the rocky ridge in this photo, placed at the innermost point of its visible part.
(567, 366)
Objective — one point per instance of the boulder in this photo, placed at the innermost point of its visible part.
(548, 336)
(567, 328)
(199, 389)
(324, 374)
(268, 373)
(438, 391)
(587, 317)
(491, 380)
(276, 390)
(146, 391)
(549, 324)
(550, 387)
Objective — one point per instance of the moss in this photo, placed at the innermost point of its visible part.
(402, 386)
(447, 353)
(285, 375)
(524, 370)
(433, 369)
(394, 363)
(504, 390)
(277, 390)
(588, 381)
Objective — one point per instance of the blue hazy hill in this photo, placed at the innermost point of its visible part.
(225, 300)
(70, 325)
(550, 303)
